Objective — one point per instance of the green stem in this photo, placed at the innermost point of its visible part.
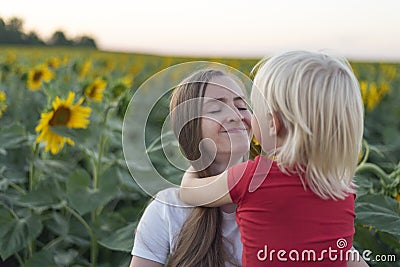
(98, 162)
(31, 248)
(365, 158)
(32, 168)
(11, 211)
(374, 169)
(53, 243)
(31, 245)
(93, 241)
(19, 259)
(396, 172)
(95, 181)
(97, 165)
(18, 188)
(97, 171)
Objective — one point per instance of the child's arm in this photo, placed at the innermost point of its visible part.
(209, 191)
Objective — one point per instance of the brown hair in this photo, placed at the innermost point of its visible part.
(200, 241)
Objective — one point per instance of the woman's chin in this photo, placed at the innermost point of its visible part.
(235, 153)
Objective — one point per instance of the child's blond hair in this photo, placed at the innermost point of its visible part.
(318, 102)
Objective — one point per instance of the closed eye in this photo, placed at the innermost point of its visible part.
(240, 104)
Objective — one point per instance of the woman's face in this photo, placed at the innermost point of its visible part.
(226, 120)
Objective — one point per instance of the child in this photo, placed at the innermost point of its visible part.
(296, 205)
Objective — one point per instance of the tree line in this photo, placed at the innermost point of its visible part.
(12, 33)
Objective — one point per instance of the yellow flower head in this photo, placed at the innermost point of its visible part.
(63, 113)
(2, 97)
(65, 60)
(127, 81)
(108, 64)
(389, 71)
(54, 62)
(121, 86)
(255, 142)
(37, 75)
(136, 68)
(373, 93)
(84, 69)
(364, 91)
(3, 106)
(11, 57)
(95, 90)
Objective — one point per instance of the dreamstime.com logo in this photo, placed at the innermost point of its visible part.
(332, 254)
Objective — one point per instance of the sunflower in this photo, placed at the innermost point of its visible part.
(255, 142)
(54, 62)
(95, 90)
(3, 105)
(127, 81)
(63, 113)
(84, 68)
(372, 93)
(11, 57)
(37, 75)
(121, 86)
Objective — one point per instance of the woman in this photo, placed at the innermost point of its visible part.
(198, 236)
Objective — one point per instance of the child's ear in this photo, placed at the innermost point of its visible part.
(277, 122)
(274, 124)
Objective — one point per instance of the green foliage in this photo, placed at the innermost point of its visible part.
(378, 206)
(121, 240)
(378, 175)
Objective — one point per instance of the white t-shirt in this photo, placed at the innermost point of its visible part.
(161, 223)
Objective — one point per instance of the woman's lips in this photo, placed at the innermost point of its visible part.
(235, 130)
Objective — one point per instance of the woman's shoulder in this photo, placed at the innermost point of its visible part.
(170, 197)
(161, 216)
(167, 204)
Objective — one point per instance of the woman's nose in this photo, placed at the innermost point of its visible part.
(234, 114)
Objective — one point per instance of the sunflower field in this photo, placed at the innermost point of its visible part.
(66, 195)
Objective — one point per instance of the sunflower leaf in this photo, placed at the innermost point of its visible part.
(83, 197)
(16, 233)
(120, 240)
(42, 258)
(45, 195)
(379, 211)
(12, 136)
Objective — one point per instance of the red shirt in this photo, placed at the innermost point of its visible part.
(284, 224)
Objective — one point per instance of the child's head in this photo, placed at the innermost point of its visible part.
(317, 108)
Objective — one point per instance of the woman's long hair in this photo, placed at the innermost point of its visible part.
(200, 241)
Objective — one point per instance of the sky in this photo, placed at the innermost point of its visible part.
(357, 29)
